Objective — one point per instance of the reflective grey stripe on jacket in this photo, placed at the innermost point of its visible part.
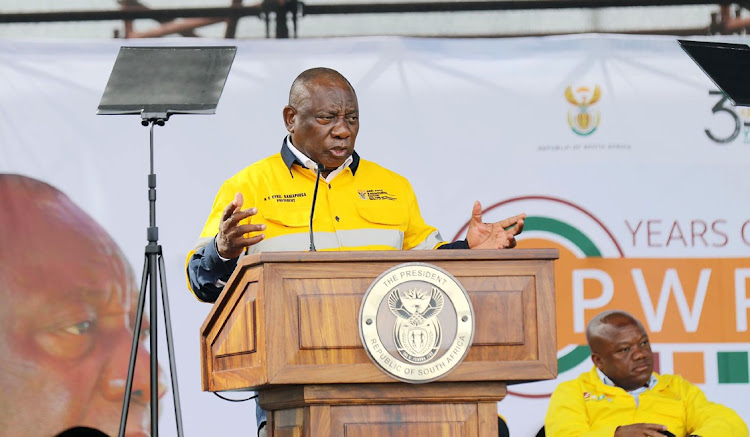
(356, 238)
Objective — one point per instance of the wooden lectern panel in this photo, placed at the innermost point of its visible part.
(291, 317)
(316, 310)
(394, 410)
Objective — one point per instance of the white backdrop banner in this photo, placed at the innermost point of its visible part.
(621, 151)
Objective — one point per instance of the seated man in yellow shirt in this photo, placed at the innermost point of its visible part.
(623, 397)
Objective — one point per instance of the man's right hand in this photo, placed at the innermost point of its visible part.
(640, 430)
(231, 240)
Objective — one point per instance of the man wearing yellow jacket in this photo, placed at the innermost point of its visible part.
(359, 205)
(623, 397)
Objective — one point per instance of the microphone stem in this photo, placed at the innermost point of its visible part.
(312, 209)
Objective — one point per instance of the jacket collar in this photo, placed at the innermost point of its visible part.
(592, 377)
(289, 159)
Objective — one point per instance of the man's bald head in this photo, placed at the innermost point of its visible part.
(620, 349)
(322, 117)
(32, 208)
(300, 89)
(602, 327)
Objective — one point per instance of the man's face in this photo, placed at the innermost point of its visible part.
(66, 327)
(324, 126)
(623, 353)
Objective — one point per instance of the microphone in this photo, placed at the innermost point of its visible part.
(319, 168)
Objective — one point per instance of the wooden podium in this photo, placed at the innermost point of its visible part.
(286, 325)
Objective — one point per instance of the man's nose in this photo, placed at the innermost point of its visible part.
(341, 128)
(638, 353)
(116, 372)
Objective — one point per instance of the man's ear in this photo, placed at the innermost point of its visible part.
(289, 113)
(597, 360)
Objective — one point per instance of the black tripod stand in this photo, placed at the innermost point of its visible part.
(156, 82)
(153, 256)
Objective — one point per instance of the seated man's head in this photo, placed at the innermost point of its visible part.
(66, 320)
(620, 349)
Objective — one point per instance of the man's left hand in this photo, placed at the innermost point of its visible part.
(498, 235)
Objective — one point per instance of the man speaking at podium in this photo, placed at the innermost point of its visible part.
(359, 205)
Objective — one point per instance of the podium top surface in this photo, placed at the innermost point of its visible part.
(725, 64)
(400, 256)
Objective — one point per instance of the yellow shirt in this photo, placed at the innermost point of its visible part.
(374, 210)
(364, 207)
(586, 407)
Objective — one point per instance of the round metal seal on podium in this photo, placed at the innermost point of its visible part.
(416, 322)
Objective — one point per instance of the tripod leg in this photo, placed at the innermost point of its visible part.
(168, 327)
(153, 308)
(134, 349)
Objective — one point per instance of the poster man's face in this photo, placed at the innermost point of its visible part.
(66, 327)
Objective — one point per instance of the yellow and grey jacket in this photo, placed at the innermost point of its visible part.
(365, 207)
(586, 407)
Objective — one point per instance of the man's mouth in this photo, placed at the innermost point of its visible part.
(339, 152)
(641, 368)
